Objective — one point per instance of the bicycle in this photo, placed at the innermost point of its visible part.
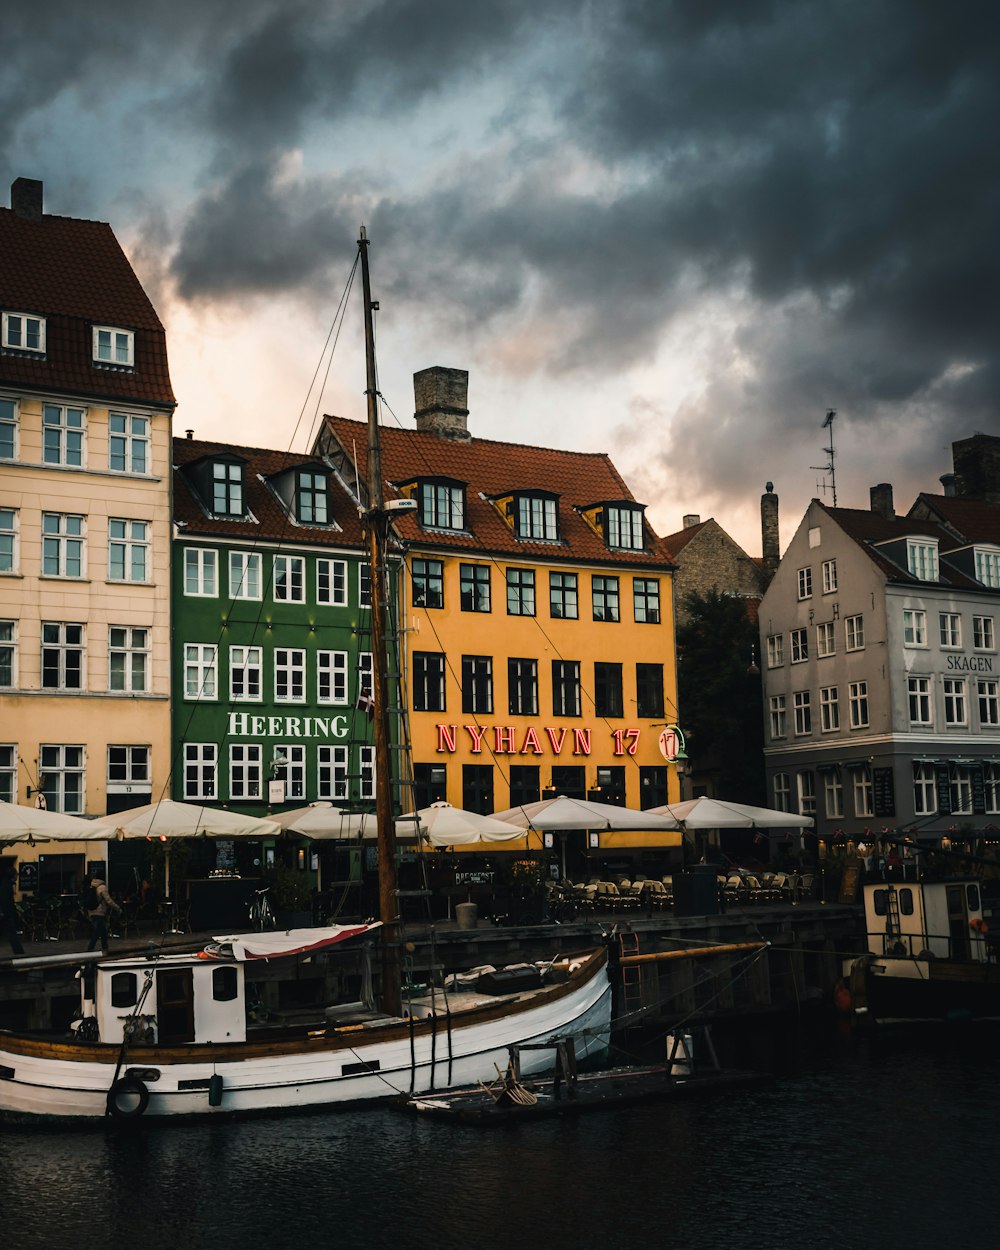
(261, 915)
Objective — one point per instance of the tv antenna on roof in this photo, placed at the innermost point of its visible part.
(830, 453)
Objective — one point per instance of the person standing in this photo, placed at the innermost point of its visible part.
(99, 905)
(8, 909)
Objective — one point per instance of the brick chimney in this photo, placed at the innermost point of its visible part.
(690, 520)
(441, 397)
(26, 198)
(770, 544)
(976, 461)
(881, 497)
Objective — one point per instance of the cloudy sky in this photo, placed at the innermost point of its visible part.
(676, 231)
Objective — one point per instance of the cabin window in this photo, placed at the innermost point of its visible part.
(906, 901)
(124, 989)
(881, 901)
(972, 897)
(224, 985)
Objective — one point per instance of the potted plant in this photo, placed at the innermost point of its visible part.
(290, 894)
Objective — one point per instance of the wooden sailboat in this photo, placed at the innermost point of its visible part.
(169, 1035)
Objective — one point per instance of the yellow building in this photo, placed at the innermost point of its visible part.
(536, 616)
(85, 411)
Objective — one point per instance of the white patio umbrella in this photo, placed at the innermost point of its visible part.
(444, 825)
(35, 824)
(169, 819)
(563, 813)
(708, 813)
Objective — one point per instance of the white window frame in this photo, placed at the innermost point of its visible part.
(289, 674)
(805, 582)
(331, 582)
(246, 665)
(956, 703)
(781, 791)
(538, 519)
(854, 633)
(293, 771)
(130, 541)
(366, 676)
(988, 700)
(10, 552)
(136, 769)
(66, 543)
(58, 768)
(364, 584)
(228, 489)
(805, 786)
(332, 678)
(624, 528)
(366, 770)
(914, 627)
(10, 420)
(201, 770)
(829, 576)
(9, 332)
(332, 772)
(201, 573)
(922, 559)
(829, 709)
(919, 701)
(950, 630)
(984, 636)
(119, 345)
(858, 703)
(8, 652)
(864, 791)
(289, 578)
(991, 786)
(129, 440)
(8, 772)
(799, 645)
(988, 566)
(63, 649)
(246, 576)
(833, 795)
(778, 716)
(132, 643)
(960, 788)
(201, 672)
(826, 639)
(924, 790)
(442, 506)
(775, 650)
(246, 764)
(69, 424)
(802, 712)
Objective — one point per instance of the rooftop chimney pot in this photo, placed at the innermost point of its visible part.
(770, 542)
(441, 399)
(692, 518)
(26, 198)
(881, 498)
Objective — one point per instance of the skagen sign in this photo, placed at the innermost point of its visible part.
(970, 663)
(506, 740)
(247, 725)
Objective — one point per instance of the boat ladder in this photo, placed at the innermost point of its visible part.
(632, 997)
(892, 928)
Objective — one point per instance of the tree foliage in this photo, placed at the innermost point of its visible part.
(720, 698)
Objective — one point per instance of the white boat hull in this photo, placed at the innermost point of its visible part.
(64, 1080)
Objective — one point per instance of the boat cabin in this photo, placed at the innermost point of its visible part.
(911, 919)
(189, 999)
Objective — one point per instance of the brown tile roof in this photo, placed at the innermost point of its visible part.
(868, 528)
(75, 274)
(272, 522)
(971, 520)
(675, 543)
(493, 468)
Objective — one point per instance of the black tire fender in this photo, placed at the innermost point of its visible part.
(132, 1086)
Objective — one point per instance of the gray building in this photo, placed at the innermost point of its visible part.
(881, 671)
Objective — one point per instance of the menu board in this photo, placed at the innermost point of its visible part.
(978, 790)
(885, 793)
(849, 883)
(942, 776)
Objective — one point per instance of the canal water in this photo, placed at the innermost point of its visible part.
(855, 1143)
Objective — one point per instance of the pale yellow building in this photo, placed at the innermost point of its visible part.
(85, 413)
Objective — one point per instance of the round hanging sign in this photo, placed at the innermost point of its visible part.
(672, 743)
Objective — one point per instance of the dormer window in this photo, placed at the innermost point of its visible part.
(537, 517)
(988, 567)
(623, 526)
(227, 488)
(114, 347)
(311, 498)
(442, 504)
(922, 558)
(22, 332)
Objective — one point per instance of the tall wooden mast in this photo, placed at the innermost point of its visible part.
(378, 525)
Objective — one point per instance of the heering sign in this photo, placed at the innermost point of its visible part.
(503, 740)
(249, 725)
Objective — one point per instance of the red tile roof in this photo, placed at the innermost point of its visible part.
(972, 520)
(675, 543)
(75, 274)
(271, 523)
(868, 528)
(493, 468)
